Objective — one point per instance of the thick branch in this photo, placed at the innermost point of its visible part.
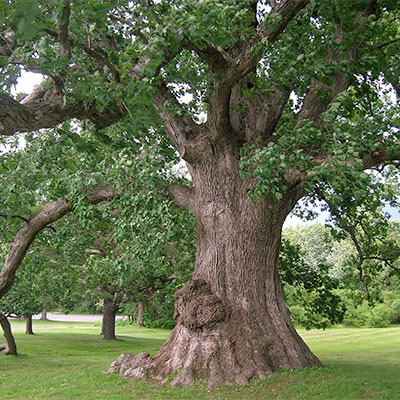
(45, 109)
(180, 129)
(377, 158)
(247, 61)
(50, 213)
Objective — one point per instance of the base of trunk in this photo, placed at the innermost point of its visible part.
(219, 357)
(10, 348)
(217, 347)
(29, 326)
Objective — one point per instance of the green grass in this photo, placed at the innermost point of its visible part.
(67, 364)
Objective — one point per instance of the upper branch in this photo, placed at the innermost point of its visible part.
(180, 129)
(45, 109)
(62, 26)
(246, 61)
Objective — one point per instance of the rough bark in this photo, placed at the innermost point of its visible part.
(110, 310)
(29, 326)
(10, 348)
(232, 322)
(139, 319)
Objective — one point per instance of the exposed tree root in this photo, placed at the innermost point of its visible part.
(205, 346)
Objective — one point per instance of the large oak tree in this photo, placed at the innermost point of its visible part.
(267, 102)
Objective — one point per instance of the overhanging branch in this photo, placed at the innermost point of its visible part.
(45, 109)
(50, 213)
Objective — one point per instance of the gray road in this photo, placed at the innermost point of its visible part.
(62, 318)
(71, 317)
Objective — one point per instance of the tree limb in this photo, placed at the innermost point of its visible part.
(181, 129)
(45, 109)
(62, 26)
(246, 61)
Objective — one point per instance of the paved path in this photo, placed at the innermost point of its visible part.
(63, 318)
(72, 317)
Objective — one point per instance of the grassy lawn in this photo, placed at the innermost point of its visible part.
(60, 363)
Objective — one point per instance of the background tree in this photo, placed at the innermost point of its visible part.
(292, 93)
(309, 290)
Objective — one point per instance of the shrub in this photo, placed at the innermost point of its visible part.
(395, 307)
(379, 316)
(356, 315)
(163, 323)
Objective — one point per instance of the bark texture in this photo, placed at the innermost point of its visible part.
(44, 109)
(232, 322)
(10, 348)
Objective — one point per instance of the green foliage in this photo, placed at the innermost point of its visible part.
(318, 267)
(309, 293)
(378, 315)
(145, 236)
(164, 323)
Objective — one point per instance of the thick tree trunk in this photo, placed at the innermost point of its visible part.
(10, 347)
(108, 324)
(29, 326)
(233, 324)
(43, 317)
(139, 319)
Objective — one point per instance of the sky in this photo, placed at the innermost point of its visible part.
(28, 81)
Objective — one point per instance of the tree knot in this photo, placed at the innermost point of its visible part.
(196, 307)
